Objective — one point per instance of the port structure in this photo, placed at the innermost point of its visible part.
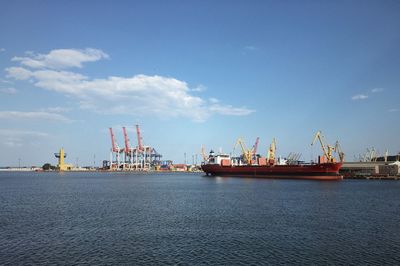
(62, 166)
(138, 158)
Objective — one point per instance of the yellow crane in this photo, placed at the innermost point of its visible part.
(271, 151)
(339, 151)
(327, 150)
(246, 152)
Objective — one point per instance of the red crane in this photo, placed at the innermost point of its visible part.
(139, 137)
(114, 144)
(127, 148)
(255, 147)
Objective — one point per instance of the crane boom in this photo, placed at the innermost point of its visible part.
(246, 153)
(255, 147)
(139, 137)
(114, 144)
(203, 153)
(127, 148)
(318, 136)
(338, 150)
(272, 149)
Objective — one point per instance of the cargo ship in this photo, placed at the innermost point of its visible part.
(318, 171)
(326, 167)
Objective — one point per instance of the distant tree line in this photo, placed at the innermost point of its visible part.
(48, 167)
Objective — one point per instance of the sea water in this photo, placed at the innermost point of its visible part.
(189, 219)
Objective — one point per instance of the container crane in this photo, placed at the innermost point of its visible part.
(327, 150)
(114, 149)
(128, 150)
(139, 138)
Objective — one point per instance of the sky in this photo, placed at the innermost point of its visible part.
(195, 73)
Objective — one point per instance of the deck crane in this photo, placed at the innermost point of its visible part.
(271, 151)
(339, 151)
(203, 153)
(327, 150)
(254, 149)
(246, 152)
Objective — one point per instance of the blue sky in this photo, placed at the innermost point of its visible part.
(197, 72)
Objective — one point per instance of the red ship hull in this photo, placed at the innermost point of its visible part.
(325, 171)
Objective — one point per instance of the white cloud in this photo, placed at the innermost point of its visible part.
(8, 90)
(61, 58)
(393, 110)
(359, 97)
(17, 132)
(138, 95)
(375, 90)
(18, 73)
(213, 100)
(230, 110)
(56, 109)
(16, 138)
(13, 115)
(199, 88)
(6, 81)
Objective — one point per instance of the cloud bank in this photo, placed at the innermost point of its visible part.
(61, 58)
(16, 115)
(359, 97)
(138, 95)
(17, 138)
(8, 90)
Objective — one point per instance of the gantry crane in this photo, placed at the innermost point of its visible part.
(114, 149)
(327, 149)
(139, 138)
(128, 150)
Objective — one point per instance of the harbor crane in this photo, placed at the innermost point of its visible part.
(203, 153)
(327, 149)
(139, 138)
(254, 150)
(271, 151)
(245, 152)
(114, 149)
(339, 151)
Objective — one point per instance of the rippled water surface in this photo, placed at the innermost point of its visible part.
(123, 218)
